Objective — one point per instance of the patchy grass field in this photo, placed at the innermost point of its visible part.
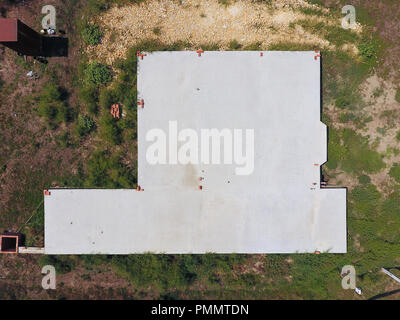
(57, 131)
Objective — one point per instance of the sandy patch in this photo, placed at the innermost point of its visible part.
(204, 22)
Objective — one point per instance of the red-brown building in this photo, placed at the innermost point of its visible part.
(19, 37)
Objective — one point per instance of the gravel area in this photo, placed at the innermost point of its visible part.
(204, 22)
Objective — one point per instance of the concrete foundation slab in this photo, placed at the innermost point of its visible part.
(271, 202)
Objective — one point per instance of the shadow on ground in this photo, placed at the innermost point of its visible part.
(55, 47)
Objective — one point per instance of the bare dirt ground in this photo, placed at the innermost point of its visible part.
(206, 22)
(20, 277)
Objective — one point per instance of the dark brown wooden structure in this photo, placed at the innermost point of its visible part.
(10, 241)
(19, 37)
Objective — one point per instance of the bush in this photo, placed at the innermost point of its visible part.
(345, 99)
(106, 170)
(110, 131)
(91, 34)
(97, 74)
(89, 96)
(395, 172)
(398, 136)
(367, 49)
(234, 45)
(365, 200)
(51, 105)
(107, 98)
(364, 179)
(84, 125)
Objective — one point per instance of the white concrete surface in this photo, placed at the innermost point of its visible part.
(276, 209)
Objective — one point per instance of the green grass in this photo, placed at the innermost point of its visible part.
(364, 179)
(395, 172)
(84, 125)
(352, 153)
(97, 74)
(397, 96)
(52, 105)
(91, 34)
(365, 200)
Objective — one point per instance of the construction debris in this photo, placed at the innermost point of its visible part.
(115, 111)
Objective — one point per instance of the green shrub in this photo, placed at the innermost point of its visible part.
(84, 125)
(343, 101)
(365, 200)
(157, 31)
(106, 170)
(367, 49)
(398, 135)
(89, 96)
(91, 34)
(107, 98)
(364, 179)
(51, 105)
(97, 74)
(109, 130)
(234, 45)
(395, 172)
(99, 166)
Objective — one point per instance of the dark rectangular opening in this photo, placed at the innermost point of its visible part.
(9, 244)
